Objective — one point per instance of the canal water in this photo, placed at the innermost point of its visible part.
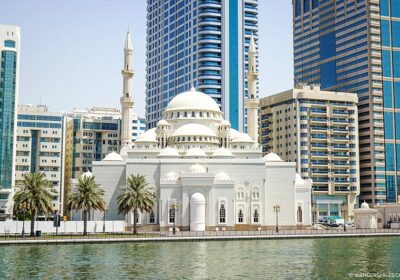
(341, 258)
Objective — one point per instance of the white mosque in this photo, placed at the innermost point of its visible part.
(204, 174)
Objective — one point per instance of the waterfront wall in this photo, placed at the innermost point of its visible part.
(12, 227)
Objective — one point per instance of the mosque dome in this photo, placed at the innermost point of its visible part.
(195, 153)
(225, 123)
(197, 168)
(113, 157)
(148, 136)
(162, 122)
(194, 129)
(168, 152)
(222, 153)
(242, 138)
(87, 174)
(222, 176)
(364, 205)
(192, 100)
(272, 157)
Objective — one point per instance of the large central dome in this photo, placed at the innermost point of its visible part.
(192, 100)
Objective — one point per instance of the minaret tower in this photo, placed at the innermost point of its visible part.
(252, 102)
(126, 99)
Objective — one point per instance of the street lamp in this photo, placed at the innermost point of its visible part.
(277, 209)
(104, 219)
(175, 208)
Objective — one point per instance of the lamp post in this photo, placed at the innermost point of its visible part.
(277, 209)
(104, 219)
(23, 222)
(175, 208)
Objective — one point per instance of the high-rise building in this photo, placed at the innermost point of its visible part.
(9, 69)
(201, 44)
(318, 130)
(40, 147)
(354, 46)
(90, 136)
(138, 126)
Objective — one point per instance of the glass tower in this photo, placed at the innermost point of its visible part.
(202, 44)
(354, 46)
(9, 51)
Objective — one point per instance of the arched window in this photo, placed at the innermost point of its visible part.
(256, 193)
(193, 114)
(240, 216)
(299, 214)
(152, 218)
(222, 214)
(240, 193)
(185, 114)
(255, 216)
(171, 215)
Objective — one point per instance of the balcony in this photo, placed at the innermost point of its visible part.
(318, 120)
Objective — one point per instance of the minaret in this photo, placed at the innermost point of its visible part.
(126, 99)
(252, 102)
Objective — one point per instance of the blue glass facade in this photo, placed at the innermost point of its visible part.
(8, 74)
(390, 38)
(354, 46)
(188, 45)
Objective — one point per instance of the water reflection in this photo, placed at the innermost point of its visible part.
(263, 259)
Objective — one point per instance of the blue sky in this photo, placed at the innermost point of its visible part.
(72, 50)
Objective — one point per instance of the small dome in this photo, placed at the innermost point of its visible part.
(197, 168)
(171, 176)
(364, 205)
(242, 138)
(194, 129)
(222, 153)
(148, 136)
(192, 100)
(168, 152)
(234, 133)
(162, 122)
(225, 123)
(113, 157)
(272, 157)
(195, 153)
(222, 176)
(87, 174)
(197, 197)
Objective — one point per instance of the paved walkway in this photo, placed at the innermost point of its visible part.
(90, 239)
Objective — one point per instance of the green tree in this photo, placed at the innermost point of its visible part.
(135, 197)
(86, 196)
(35, 195)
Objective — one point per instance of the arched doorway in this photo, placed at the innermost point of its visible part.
(197, 212)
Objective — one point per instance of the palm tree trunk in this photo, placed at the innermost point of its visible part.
(33, 218)
(85, 218)
(134, 221)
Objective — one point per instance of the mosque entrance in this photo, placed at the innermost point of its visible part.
(197, 212)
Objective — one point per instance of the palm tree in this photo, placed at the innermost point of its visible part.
(36, 193)
(86, 196)
(135, 197)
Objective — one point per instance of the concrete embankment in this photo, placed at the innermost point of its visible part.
(80, 240)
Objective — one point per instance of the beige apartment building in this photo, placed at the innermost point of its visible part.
(40, 147)
(319, 131)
